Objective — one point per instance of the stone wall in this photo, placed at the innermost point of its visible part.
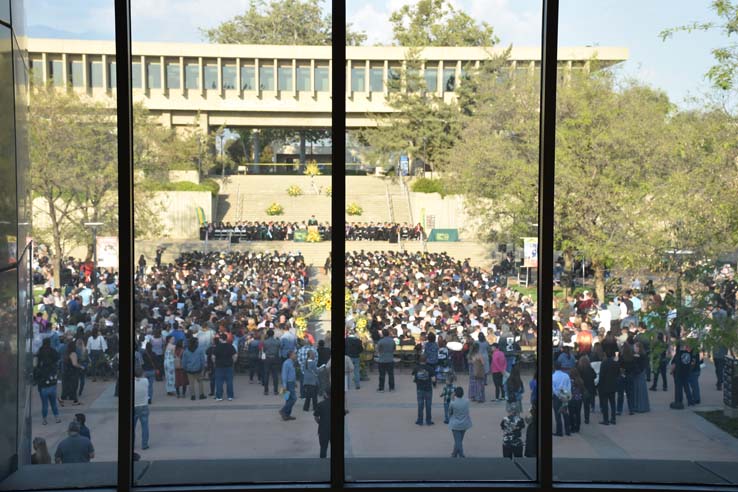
(178, 212)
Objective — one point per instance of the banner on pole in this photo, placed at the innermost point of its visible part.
(107, 251)
(530, 252)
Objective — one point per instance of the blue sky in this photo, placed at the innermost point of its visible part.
(677, 65)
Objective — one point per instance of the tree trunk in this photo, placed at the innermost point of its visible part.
(569, 275)
(57, 253)
(599, 271)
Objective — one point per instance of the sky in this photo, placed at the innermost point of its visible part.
(677, 65)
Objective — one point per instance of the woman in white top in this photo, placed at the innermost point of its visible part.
(96, 346)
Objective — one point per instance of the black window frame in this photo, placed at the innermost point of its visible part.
(544, 477)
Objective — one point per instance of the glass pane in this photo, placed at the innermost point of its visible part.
(376, 79)
(213, 348)
(266, 78)
(321, 79)
(8, 209)
(210, 73)
(96, 74)
(229, 76)
(303, 79)
(59, 332)
(136, 75)
(449, 79)
(431, 79)
(37, 67)
(441, 323)
(248, 78)
(56, 72)
(173, 76)
(113, 77)
(358, 78)
(154, 75)
(648, 296)
(75, 74)
(285, 78)
(192, 76)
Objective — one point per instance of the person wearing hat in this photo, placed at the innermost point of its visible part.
(74, 448)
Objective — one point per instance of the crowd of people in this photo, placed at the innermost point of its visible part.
(384, 231)
(262, 230)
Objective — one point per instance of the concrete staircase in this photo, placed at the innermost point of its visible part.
(247, 198)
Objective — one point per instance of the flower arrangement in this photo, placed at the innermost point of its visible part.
(312, 169)
(275, 209)
(313, 236)
(294, 190)
(301, 324)
(354, 209)
(329, 191)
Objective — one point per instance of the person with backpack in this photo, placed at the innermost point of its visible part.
(561, 387)
(46, 375)
(271, 362)
(424, 378)
(310, 381)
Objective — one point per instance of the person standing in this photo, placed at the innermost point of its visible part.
(310, 382)
(224, 356)
(289, 378)
(46, 376)
(40, 454)
(588, 375)
(386, 360)
(74, 448)
(96, 347)
(322, 416)
(531, 434)
(180, 376)
(577, 398)
(718, 358)
(193, 362)
(607, 386)
(561, 387)
(430, 349)
(424, 378)
(149, 367)
(354, 348)
(476, 374)
(659, 361)
(512, 428)
(141, 408)
(498, 367)
(169, 370)
(459, 421)
(70, 374)
(271, 361)
(681, 367)
(640, 385)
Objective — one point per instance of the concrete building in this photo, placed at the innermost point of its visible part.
(261, 86)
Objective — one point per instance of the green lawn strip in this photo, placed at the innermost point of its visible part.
(718, 418)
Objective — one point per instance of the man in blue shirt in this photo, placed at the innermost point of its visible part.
(561, 396)
(287, 344)
(289, 377)
(566, 359)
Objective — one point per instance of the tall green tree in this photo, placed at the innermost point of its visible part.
(293, 22)
(438, 23)
(724, 73)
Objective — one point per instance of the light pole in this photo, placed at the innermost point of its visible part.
(94, 226)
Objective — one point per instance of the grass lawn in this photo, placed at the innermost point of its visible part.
(718, 418)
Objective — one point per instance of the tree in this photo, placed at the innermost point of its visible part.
(292, 22)
(73, 167)
(724, 73)
(438, 23)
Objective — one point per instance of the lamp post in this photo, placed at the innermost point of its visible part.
(94, 226)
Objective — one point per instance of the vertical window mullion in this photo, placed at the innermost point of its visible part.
(546, 170)
(125, 220)
(338, 243)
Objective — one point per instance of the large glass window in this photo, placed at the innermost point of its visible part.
(96, 74)
(376, 79)
(210, 72)
(56, 72)
(229, 76)
(248, 78)
(449, 79)
(431, 79)
(358, 79)
(153, 74)
(37, 66)
(75, 74)
(136, 75)
(192, 76)
(266, 78)
(303, 78)
(173, 75)
(285, 78)
(321, 79)
(112, 76)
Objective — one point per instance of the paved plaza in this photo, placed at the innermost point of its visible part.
(381, 425)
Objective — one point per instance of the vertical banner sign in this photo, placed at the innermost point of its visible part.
(404, 165)
(530, 252)
(107, 251)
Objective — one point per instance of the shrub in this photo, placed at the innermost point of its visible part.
(354, 209)
(275, 209)
(294, 190)
(313, 236)
(205, 185)
(329, 191)
(425, 185)
(312, 169)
